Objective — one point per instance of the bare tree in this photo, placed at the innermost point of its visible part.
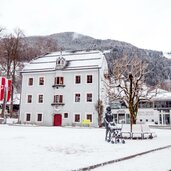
(99, 108)
(14, 49)
(40, 46)
(127, 83)
(11, 53)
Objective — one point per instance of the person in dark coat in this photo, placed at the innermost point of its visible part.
(108, 120)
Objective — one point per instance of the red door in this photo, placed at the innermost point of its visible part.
(57, 120)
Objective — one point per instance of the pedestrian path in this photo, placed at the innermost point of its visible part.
(121, 159)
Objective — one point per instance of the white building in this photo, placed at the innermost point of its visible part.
(157, 110)
(63, 88)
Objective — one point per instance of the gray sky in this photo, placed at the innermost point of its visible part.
(143, 23)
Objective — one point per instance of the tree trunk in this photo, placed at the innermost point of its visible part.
(12, 98)
(99, 109)
(132, 118)
(100, 121)
(4, 104)
(131, 102)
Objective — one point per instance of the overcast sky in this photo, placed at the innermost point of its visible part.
(143, 23)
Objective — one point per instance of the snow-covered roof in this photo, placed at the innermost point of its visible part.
(163, 95)
(159, 95)
(74, 60)
(156, 94)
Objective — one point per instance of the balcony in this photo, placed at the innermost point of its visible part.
(58, 85)
(58, 104)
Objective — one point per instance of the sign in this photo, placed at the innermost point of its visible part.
(86, 122)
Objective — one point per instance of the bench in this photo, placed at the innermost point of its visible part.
(139, 131)
(86, 122)
(126, 131)
(146, 132)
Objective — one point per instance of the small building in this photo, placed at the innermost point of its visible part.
(156, 111)
(62, 88)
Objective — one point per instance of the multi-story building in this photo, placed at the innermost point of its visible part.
(62, 88)
(156, 110)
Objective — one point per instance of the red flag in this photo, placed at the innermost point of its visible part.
(9, 90)
(3, 80)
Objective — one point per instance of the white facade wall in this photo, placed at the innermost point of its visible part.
(34, 90)
(148, 115)
(68, 91)
(143, 116)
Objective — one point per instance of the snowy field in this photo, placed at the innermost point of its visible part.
(62, 149)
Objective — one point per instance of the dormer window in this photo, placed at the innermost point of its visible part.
(60, 63)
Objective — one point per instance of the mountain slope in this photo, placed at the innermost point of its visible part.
(159, 66)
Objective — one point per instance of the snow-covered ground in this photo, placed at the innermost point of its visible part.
(32, 148)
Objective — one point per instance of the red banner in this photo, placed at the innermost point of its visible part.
(5, 84)
(9, 90)
(3, 80)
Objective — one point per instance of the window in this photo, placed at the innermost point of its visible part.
(77, 97)
(60, 61)
(144, 104)
(29, 99)
(89, 97)
(40, 98)
(65, 115)
(58, 99)
(30, 81)
(59, 80)
(28, 117)
(39, 117)
(77, 118)
(77, 79)
(89, 78)
(41, 81)
(89, 116)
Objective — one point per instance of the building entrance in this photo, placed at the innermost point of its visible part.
(57, 120)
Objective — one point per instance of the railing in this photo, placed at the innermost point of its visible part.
(58, 103)
(58, 85)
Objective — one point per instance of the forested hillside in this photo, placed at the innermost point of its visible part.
(159, 66)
